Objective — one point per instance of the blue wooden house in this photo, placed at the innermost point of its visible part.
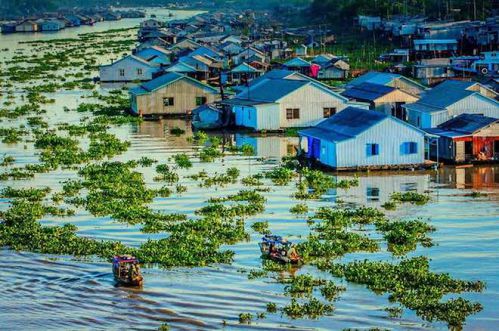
(52, 25)
(356, 137)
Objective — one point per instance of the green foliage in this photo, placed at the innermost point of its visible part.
(412, 284)
(310, 309)
(261, 227)
(280, 175)
(412, 197)
(299, 209)
(183, 161)
(245, 318)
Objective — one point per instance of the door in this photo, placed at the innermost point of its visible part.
(496, 149)
(468, 150)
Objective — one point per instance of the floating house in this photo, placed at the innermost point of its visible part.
(171, 94)
(467, 138)
(52, 25)
(27, 26)
(129, 69)
(244, 73)
(249, 55)
(389, 100)
(336, 69)
(450, 99)
(389, 79)
(155, 54)
(284, 99)
(432, 71)
(435, 47)
(298, 64)
(358, 138)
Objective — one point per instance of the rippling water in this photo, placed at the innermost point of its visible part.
(59, 292)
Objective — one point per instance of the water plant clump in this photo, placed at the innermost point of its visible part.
(209, 154)
(302, 285)
(412, 284)
(313, 309)
(245, 318)
(261, 227)
(280, 176)
(403, 236)
(299, 209)
(229, 177)
(252, 180)
(412, 197)
(30, 194)
(165, 174)
(182, 161)
(7, 161)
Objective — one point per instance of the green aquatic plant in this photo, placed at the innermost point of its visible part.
(412, 284)
(245, 318)
(412, 197)
(299, 209)
(330, 291)
(389, 205)
(209, 154)
(313, 308)
(182, 161)
(271, 307)
(302, 285)
(165, 174)
(30, 194)
(261, 227)
(7, 161)
(280, 175)
(252, 180)
(403, 236)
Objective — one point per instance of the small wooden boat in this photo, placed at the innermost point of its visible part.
(126, 270)
(280, 250)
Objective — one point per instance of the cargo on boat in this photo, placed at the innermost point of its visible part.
(280, 250)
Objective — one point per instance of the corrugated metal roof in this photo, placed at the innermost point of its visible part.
(467, 123)
(244, 67)
(272, 90)
(168, 79)
(367, 91)
(181, 67)
(346, 124)
(446, 94)
(381, 78)
(297, 62)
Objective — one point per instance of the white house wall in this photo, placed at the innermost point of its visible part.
(390, 135)
(311, 101)
(111, 73)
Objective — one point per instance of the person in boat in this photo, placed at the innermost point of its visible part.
(293, 254)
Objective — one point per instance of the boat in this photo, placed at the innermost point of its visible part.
(210, 117)
(126, 270)
(280, 250)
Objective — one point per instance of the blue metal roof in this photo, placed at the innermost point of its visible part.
(181, 67)
(381, 78)
(297, 62)
(466, 124)
(345, 125)
(367, 91)
(204, 51)
(244, 67)
(446, 94)
(272, 90)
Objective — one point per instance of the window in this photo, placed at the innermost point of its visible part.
(139, 71)
(168, 101)
(372, 149)
(372, 194)
(409, 148)
(200, 101)
(329, 111)
(122, 72)
(292, 113)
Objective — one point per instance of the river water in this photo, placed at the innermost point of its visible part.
(61, 293)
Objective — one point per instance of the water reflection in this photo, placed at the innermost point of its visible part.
(269, 146)
(374, 189)
(472, 177)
